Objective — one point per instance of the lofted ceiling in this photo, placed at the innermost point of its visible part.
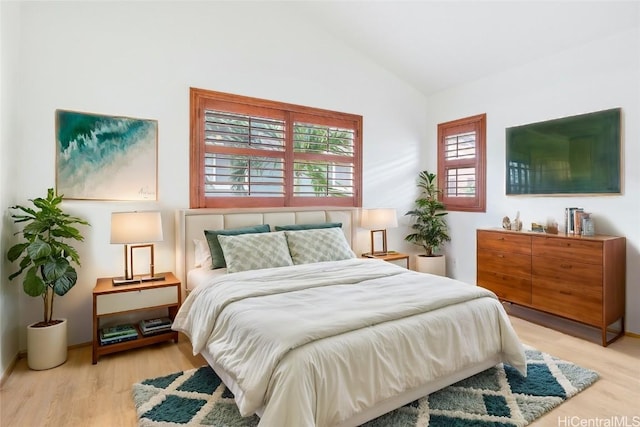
(434, 45)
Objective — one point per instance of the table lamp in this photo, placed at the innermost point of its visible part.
(378, 220)
(136, 230)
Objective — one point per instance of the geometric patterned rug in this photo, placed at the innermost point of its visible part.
(497, 397)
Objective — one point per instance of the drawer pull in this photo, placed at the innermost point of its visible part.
(500, 256)
(566, 266)
(565, 293)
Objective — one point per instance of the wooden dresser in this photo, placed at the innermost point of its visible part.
(576, 277)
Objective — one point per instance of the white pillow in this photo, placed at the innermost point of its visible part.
(202, 254)
(318, 245)
(255, 251)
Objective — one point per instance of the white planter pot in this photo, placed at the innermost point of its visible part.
(431, 264)
(47, 347)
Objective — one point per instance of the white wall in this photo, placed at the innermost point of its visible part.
(597, 76)
(9, 56)
(137, 59)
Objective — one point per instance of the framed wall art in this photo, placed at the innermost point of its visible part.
(101, 157)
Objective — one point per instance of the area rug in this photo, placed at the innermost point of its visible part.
(497, 397)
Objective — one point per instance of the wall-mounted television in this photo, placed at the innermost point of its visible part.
(571, 155)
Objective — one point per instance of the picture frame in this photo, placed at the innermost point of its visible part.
(105, 157)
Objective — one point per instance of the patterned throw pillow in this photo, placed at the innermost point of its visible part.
(217, 257)
(255, 251)
(324, 244)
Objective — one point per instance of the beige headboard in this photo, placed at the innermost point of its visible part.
(191, 223)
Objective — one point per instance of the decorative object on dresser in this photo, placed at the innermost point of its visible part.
(429, 227)
(378, 220)
(575, 277)
(47, 260)
(110, 300)
(131, 229)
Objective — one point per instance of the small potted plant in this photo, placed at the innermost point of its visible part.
(429, 228)
(46, 259)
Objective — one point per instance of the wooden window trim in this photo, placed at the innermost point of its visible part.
(479, 124)
(200, 99)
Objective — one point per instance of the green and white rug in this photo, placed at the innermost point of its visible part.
(497, 397)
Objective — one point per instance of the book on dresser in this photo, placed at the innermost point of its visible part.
(155, 326)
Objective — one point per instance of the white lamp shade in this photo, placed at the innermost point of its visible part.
(136, 227)
(379, 219)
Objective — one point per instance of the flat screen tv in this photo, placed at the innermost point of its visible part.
(571, 155)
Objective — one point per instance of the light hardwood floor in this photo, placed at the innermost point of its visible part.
(81, 394)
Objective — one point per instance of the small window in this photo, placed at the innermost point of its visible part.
(249, 152)
(461, 163)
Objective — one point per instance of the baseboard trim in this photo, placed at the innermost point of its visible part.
(632, 335)
(9, 370)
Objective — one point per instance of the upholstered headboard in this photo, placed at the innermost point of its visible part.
(191, 223)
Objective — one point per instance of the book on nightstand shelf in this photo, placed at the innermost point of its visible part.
(116, 334)
(155, 326)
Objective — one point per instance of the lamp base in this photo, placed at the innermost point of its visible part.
(118, 281)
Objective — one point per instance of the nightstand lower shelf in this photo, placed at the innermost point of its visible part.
(110, 300)
(141, 341)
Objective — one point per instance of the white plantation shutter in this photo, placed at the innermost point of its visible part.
(459, 151)
(323, 162)
(461, 167)
(252, 152)
(247, 156)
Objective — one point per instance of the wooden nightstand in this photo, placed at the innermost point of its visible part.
(391, 256)
(109, 300)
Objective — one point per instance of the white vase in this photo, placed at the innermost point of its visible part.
(47, 346)
(431, 264)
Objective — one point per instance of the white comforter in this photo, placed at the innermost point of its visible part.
(315, 344)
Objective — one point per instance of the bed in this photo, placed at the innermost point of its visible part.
(331, 343)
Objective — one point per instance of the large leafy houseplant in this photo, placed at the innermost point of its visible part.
(46, 257)
(429, 228)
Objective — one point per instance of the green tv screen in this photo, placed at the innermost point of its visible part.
(571, 155)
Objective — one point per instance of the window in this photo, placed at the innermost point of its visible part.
(249, 152)
(461, 163)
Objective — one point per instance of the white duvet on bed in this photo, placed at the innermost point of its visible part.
(315, 344)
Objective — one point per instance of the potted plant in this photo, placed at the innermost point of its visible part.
(429, 227)
(47, 260)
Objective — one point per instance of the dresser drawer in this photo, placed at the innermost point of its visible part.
(580, 303)
(508, 288)
(504, 241)
(567, 271)
(586, 251)
(125, 301)
(509, 263)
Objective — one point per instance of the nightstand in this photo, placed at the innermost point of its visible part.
(109, 300)
(391, 256)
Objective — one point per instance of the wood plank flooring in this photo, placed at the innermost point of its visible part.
(81, 394)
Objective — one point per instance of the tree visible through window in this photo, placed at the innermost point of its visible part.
(253, 152)
(461, 163)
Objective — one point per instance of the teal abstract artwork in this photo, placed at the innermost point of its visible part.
(100, 157)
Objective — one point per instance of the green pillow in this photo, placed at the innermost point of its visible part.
(217, 257)
(293, 227)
